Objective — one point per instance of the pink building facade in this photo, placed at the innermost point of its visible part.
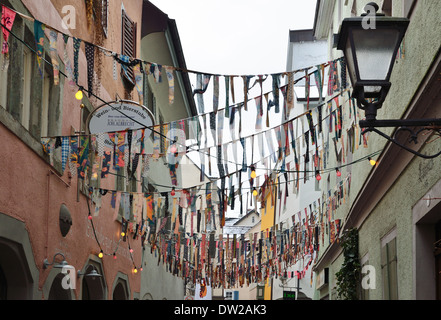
(44, 211)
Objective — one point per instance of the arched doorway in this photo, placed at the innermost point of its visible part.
(57, 292)
(121, 288)
(120, 292)
(15, 278)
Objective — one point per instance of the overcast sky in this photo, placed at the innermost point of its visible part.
(237, 37)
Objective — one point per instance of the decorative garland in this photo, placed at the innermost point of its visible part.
(349, 274)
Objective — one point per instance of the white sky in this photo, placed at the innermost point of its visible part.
(237, 37)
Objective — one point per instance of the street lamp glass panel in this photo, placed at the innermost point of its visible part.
(375, 51)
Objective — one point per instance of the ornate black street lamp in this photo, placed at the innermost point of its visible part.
(370, 44)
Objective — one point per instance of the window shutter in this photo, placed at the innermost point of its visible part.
(105, 15)
(128, 44)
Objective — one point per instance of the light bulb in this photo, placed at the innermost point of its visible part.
(135, 270)
(100, 255)
(318, 176)
(123, 234)
(114, 256)
(253, 173)
(338, 172)
(255, 193)
(372, 162)
(79, 95)
(173, 192)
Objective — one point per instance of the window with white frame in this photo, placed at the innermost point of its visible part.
(389, 265)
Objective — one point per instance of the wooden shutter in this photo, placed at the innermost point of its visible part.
(128, 44)
(105, 15)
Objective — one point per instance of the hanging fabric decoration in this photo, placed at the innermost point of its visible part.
(202, 168)
(73, 158)
(106, 164)
(212, 116)
(279, 141)
(220, 127)
(333, 84)
(276, 84)
(76, 47)
(171, 84)
(232, 89)
(125, 61)
(307, 88)
(83, 155)
(53, 37)
(90, 57)
(39, 42)
(259, 113)
(8, 17)
(246, 83)
(343, 74)
(139, 78)
(269, 141)
(64, 153)
(202, 85)
(289, 94)
(120, 143)
(318, 81)
(215, 93)
(232, 124)
(311, 127)
(227, 94)
(244, 158)
(67, 63)
(225, 159)
(286, 145)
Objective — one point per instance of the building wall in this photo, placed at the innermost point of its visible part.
(396, 200)
(33, 191)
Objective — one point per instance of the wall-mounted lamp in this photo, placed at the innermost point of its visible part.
(93, 274)
(370, 53)
(60, 264)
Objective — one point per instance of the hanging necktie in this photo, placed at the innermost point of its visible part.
(171, 83)
(39, 40)
(227, 96)
(244, 159)
(276, 84)
(76, 47)
(259, 112)
(67, 63)
(220, 127)
(53, 36)
(64, 152)
(8, 17)
(215, 93)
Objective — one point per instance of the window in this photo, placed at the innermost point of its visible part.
(389, 266)
(128, 44)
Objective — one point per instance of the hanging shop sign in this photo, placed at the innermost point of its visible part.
(119, 116)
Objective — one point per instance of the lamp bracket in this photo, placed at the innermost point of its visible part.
(422, 125)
